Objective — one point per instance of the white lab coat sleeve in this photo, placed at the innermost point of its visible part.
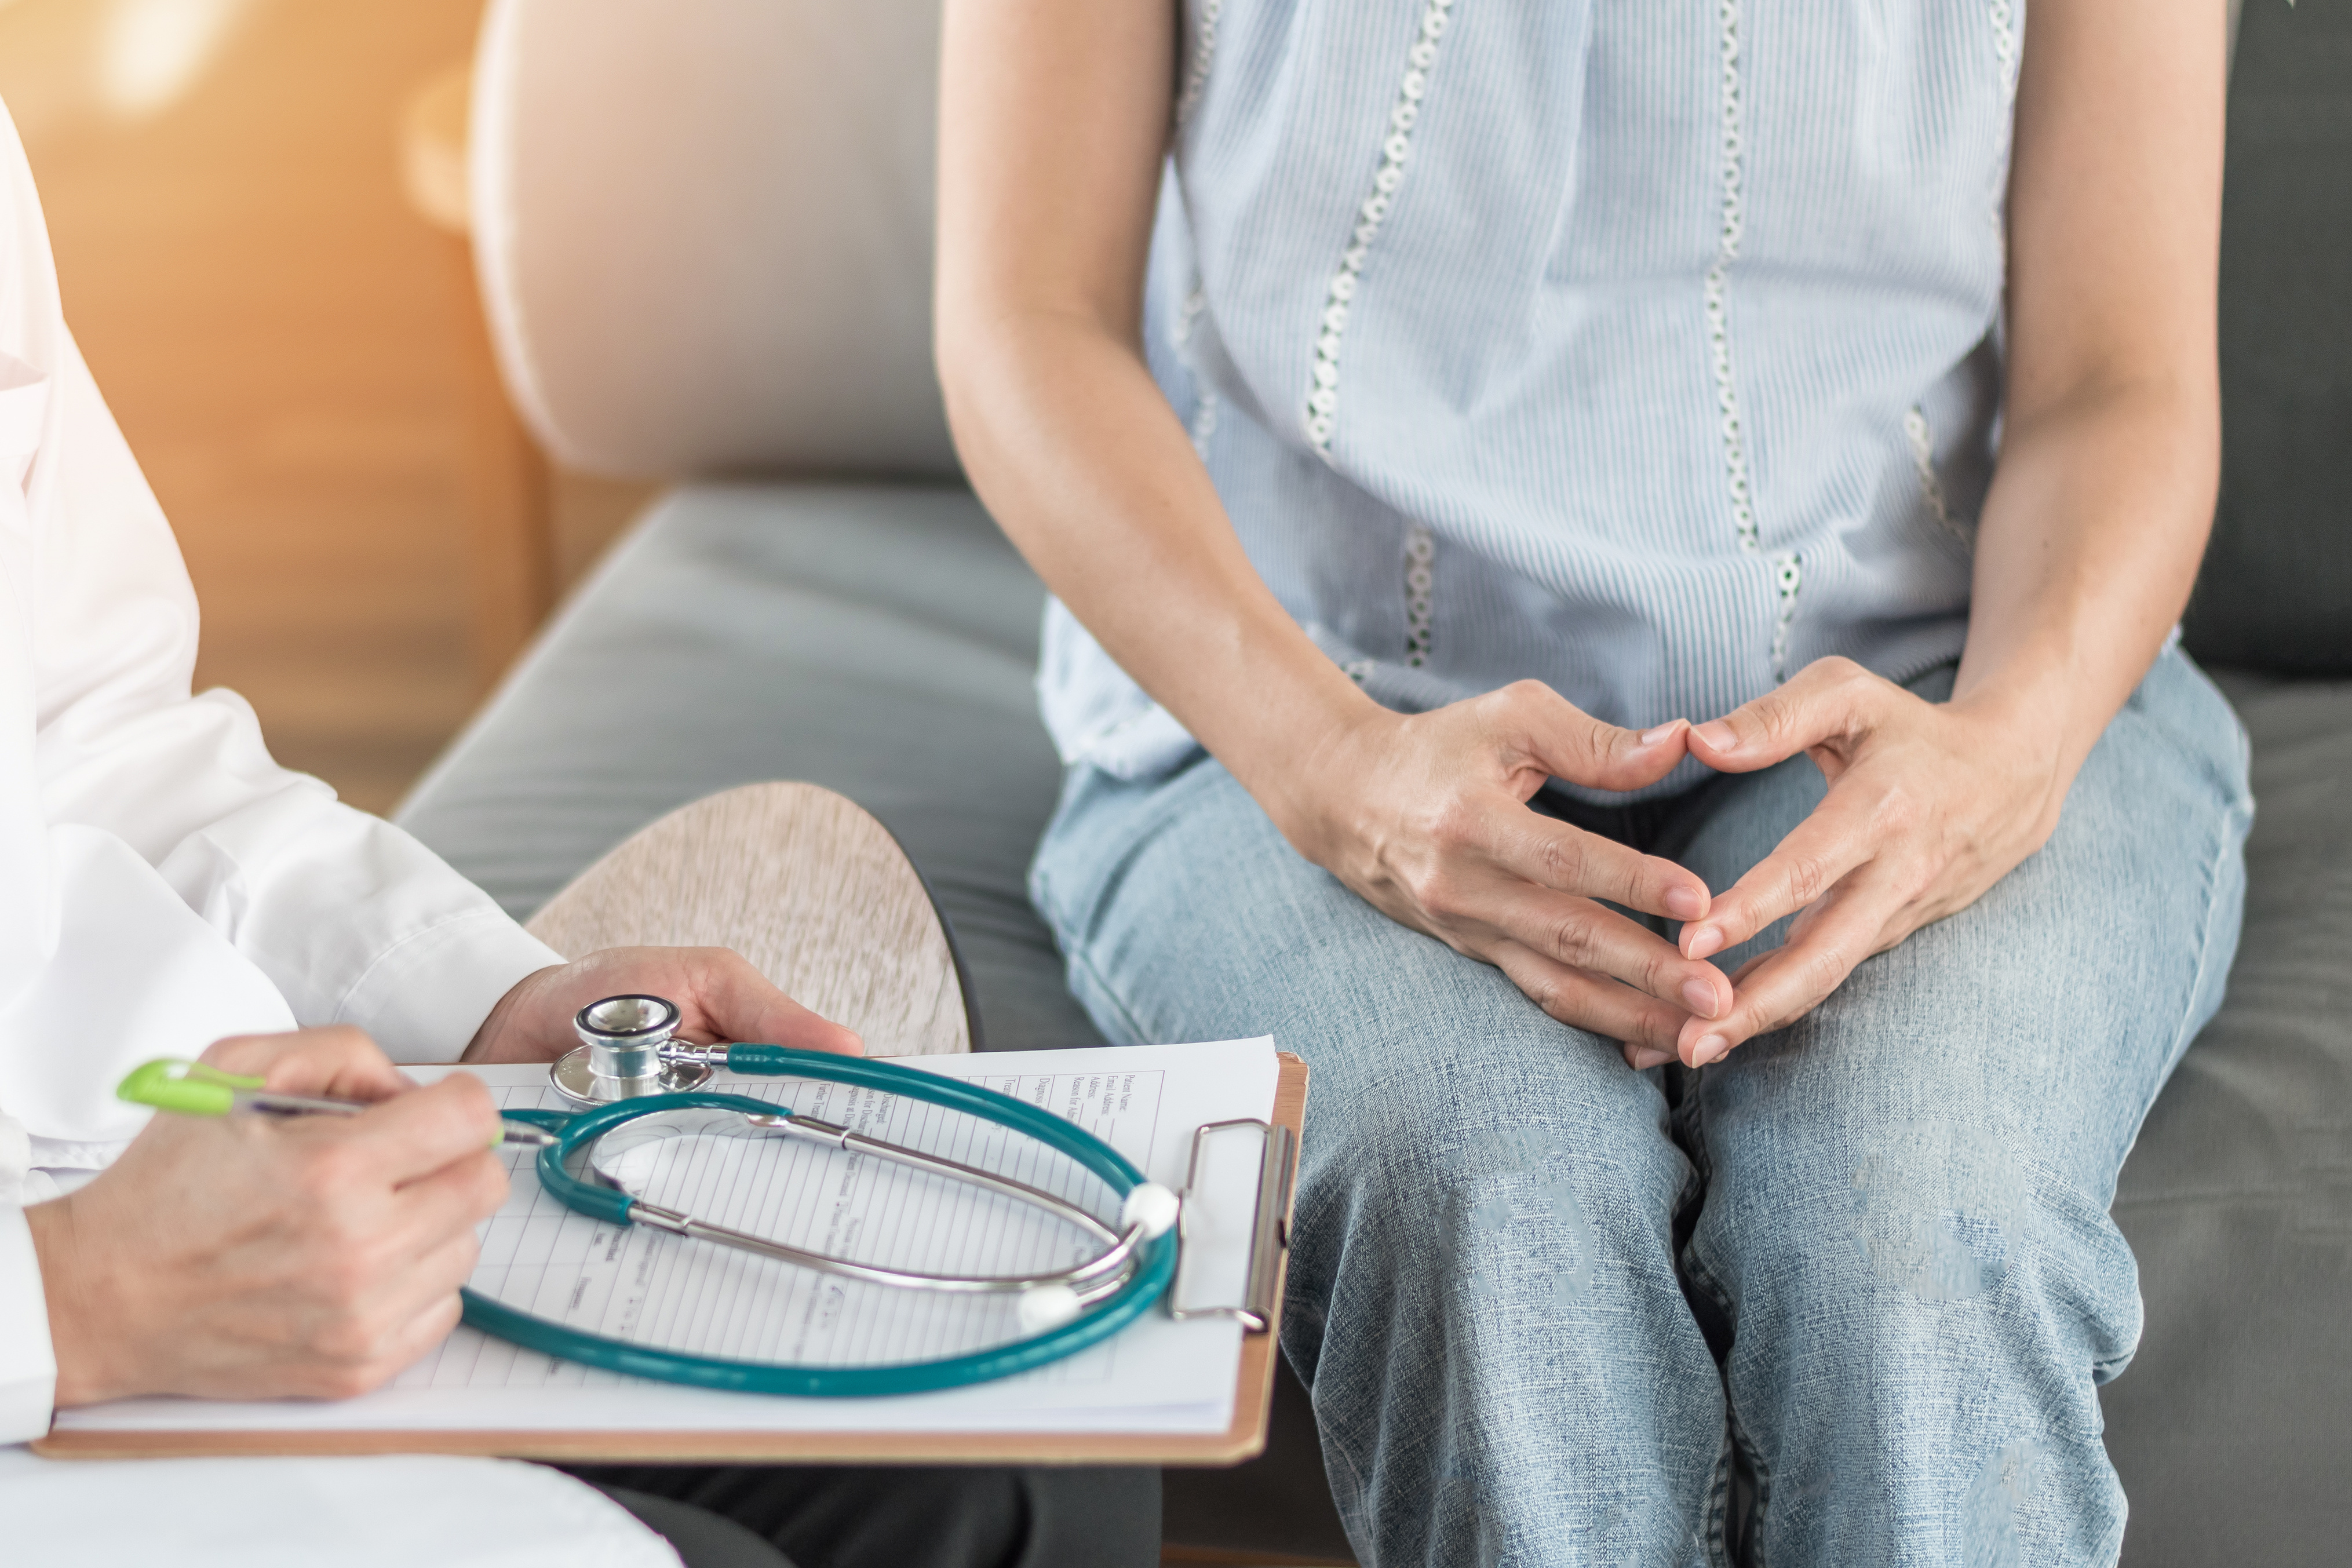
(28, 1367)
(352, 920)
(388, 1510)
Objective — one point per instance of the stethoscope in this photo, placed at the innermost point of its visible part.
(641, 1085)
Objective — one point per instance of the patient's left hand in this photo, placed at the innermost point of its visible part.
(720, 997)
(1928, 805)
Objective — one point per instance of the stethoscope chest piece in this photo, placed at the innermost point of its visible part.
(625, 1051)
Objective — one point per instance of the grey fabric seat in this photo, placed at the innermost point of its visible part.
(2233, 1425)
(878, 638)
(879, 641)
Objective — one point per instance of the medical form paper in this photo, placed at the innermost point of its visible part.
(1158, 1376)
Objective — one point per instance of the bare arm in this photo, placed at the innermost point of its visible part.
(2112, 449)
(2090, 538)
(1054, 125)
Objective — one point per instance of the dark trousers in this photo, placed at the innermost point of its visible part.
(743, 1516)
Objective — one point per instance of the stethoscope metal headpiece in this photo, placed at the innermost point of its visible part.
(625, 1050)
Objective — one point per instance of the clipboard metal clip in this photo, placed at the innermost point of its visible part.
(1269, 1245)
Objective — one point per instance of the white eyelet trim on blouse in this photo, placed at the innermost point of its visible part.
(1323, 397)
(2003, 15)
(1923, 458)
(1787, 570)
(1188, 317)
(1788, 577)
(1718, 332)
(1204, 422)
(2005, 46)
(1204, 397)
(1204, 49)
(1420, 549)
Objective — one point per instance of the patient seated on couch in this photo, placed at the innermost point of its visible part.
(1615, 572)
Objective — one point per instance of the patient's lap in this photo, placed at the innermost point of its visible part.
(2045, 1016)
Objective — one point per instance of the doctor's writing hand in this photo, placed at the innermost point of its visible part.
(720, 997)
(1928, 805)
(249, 1257)
(1424, 815)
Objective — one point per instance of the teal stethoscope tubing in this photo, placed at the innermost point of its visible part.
(1145, 1286)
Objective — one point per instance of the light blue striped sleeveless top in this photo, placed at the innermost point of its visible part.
(1648, 348)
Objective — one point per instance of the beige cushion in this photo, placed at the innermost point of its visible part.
(703, 229)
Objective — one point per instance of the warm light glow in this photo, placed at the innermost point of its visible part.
(152, 51)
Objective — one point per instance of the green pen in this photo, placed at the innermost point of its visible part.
(193, 1088)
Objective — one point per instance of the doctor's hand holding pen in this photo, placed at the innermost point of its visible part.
(262, 1256)
(250, 1257)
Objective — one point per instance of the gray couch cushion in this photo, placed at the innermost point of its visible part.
(2234, 1421)
(2276, 590)
(878, 641)
(703, 232)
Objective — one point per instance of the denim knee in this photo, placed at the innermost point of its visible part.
(1923, 1300)
(1485, 1248)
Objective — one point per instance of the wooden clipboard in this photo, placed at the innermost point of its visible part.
(1244, 1439)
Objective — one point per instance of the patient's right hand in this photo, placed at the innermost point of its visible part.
(1424, 815)
(251, 1257)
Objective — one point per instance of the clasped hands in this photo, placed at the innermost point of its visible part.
(253, 1258)
(1928, 804)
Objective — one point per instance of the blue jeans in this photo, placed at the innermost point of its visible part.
(1549, 1308)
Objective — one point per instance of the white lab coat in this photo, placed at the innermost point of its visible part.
(163, 883)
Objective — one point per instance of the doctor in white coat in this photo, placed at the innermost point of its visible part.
(166, 886)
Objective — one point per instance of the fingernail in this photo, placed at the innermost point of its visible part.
(1648, 1057)
(1685, 903)
(1702, 941)
(1717, 736)
(1699, 997)
(1710, 1048)
(1652, 737)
